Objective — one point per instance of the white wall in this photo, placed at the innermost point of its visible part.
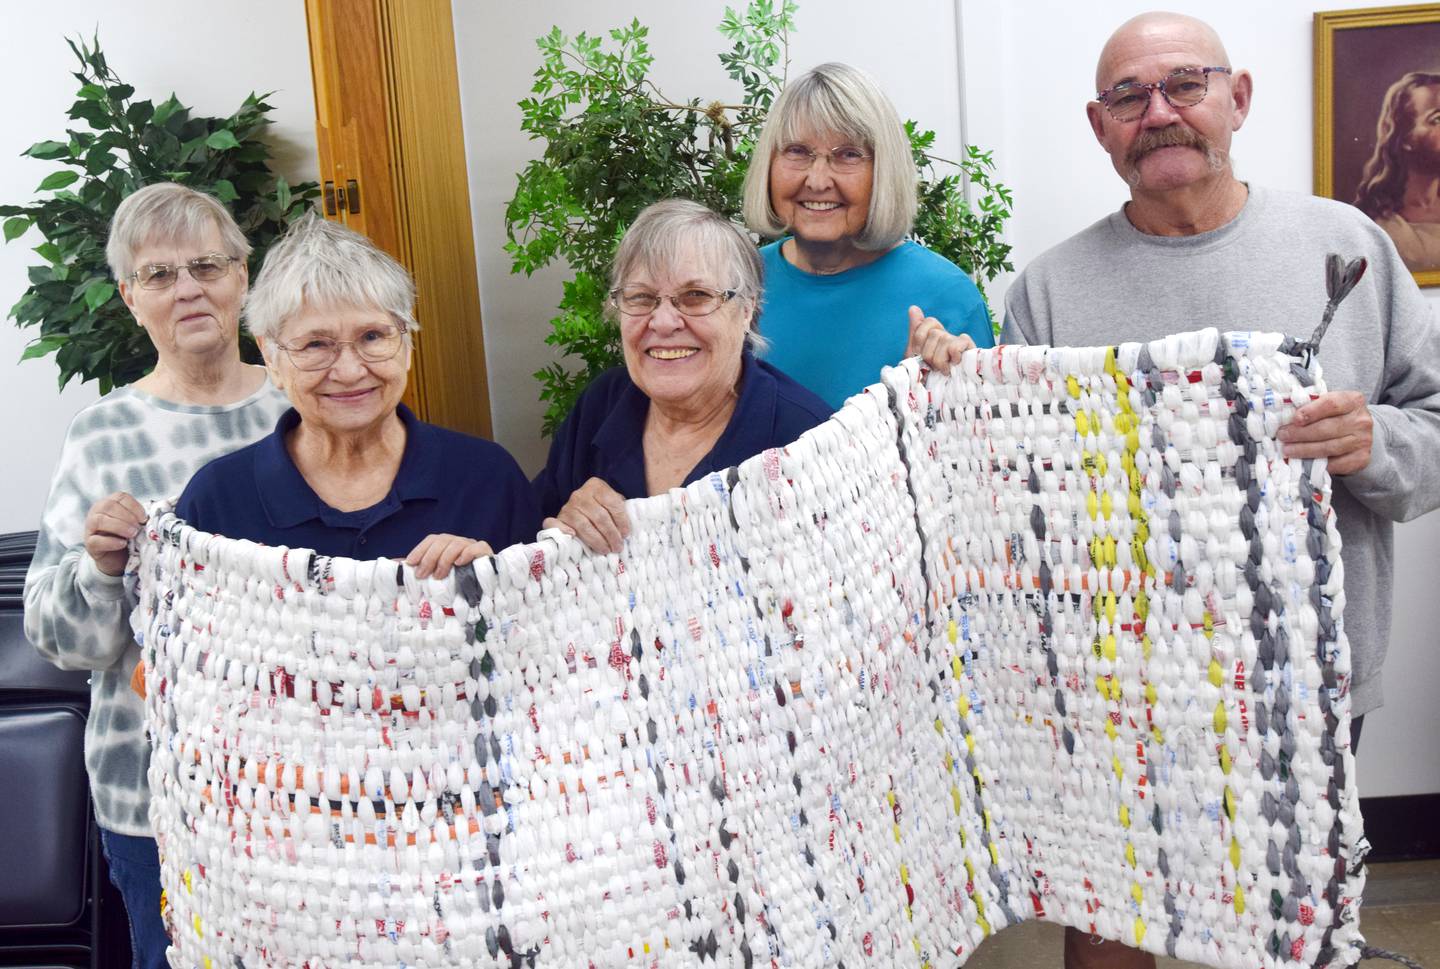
(212, 59)
(909, 45)
(1029, 68)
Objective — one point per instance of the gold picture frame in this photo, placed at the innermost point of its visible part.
(1361, 58)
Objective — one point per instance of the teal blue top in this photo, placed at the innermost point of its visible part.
(834, 333)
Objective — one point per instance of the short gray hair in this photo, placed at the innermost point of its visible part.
(843, 100)
(168, 212)
(318, 264)
(663, 233)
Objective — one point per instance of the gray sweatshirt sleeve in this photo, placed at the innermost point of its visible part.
(75, 615)
(1018, 327)
(1402, 480)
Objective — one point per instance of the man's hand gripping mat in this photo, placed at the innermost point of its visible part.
(1055, 637)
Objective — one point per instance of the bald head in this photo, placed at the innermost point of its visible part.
(1169, 151)
(1156, 31)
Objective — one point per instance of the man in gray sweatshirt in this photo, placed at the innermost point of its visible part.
(1196, 247)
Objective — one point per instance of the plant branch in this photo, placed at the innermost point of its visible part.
(785, 45)
(702, 108)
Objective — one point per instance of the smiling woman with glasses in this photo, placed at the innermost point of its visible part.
(179, 261)
(691, 398)
(833, 179)
(349, 470)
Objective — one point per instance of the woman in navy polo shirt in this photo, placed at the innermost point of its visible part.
(691, 398)
(349, 470)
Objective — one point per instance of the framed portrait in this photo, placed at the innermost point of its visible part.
(1377, 123)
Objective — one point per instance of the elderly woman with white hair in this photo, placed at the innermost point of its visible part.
(179, 260)
(846, 292)
(691, 398)
(349, 470)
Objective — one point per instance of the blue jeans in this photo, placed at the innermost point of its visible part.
(135, 870)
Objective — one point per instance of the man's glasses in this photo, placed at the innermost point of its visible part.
(204, 269)
(845, 158)
(1185, 88)
(376, 345)
(694, 301)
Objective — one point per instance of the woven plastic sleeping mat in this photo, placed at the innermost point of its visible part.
(1056, 637)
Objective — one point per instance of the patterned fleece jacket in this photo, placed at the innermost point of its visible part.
(76, 615)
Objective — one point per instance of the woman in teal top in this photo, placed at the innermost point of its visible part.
(845, 292)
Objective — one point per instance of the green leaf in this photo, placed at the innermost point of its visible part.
(49, 251)
(98, 293)
(282, 192)
(58, 179)
(167, 107)
(93, 113)
(43, 346)
(223, 139)
(187, 150)
(91, 92)
(98, 161)
(16, 227)
(140, 113)
(224, 190)
(47, 150)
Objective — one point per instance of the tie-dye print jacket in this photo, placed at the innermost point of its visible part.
(75, 614)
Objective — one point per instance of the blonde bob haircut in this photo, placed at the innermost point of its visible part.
(844, 101)
(168, 213)
(323, 265)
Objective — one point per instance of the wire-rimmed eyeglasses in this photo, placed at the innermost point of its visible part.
(376, 345)
(162, 275)
(842, 158)
(694, 301)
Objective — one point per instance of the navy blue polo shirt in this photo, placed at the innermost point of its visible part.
(447, 482)
(604, 435)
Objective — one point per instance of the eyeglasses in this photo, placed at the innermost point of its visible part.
(204, 269)
(689, 302)
(376, 345)
(844, 158)
(1185, 88)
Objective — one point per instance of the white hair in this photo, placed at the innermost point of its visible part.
(319, 264)
(843, 100)
(668, 231)
(171, 213)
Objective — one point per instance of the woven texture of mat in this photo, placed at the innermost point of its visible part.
(1055, 637)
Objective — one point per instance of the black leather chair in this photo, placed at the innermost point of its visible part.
(57, 907)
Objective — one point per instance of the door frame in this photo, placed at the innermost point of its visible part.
(391, 145)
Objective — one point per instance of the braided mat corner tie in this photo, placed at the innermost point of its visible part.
(1056, 637)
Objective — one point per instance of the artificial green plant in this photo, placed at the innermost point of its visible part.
(117, 145)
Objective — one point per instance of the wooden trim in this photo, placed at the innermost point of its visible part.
(436, 201)
(387, 102)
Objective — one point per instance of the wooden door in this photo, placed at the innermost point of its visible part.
(392, 163)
